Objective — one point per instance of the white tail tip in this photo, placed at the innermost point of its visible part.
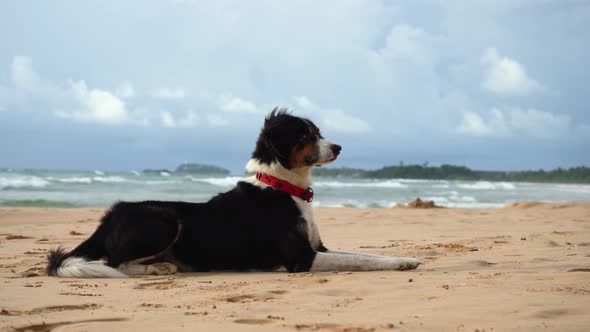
(78, 267)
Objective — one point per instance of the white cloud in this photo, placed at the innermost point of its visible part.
(126, 90)
(189, 120)
(540, 124)
(96, 105)
(405, 41)
(168, 120)
(217, 120)
(531, 122)
(332, 119)
(169, 93)
(473, 124)
(231, 104)
(505, 76)
(22, 73)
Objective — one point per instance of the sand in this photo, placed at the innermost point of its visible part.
(523, 267)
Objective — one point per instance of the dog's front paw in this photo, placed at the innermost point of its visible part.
(161, 268)
(407, 263)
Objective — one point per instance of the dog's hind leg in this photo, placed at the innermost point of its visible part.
(326, 261)
(161, 268)
(140, 235)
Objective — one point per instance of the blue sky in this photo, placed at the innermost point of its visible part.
(122, 85)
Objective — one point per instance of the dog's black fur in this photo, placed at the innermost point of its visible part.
(245, 228)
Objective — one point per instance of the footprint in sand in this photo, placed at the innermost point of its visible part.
(46, 327)
(482, 263)
(161, 285)
(32, 272)
(550, 244)
(57, 308)
(551, 313)
(17, 237)
(245, 298)
(253, 321)
(341, 327)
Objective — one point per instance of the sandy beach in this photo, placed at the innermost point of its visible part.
(522, 267)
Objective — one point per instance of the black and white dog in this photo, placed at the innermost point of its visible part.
(264, 223)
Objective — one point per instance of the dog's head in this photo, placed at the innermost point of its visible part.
(293, 141)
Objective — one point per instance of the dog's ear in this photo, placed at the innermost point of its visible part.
(273, 119)
(277, 113)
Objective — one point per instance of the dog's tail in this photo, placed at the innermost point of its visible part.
(82, 262)
(63, 264)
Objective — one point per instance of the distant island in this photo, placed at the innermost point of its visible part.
(453, 172)
(201, 169)
(191, 168)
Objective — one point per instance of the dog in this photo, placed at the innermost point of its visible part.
(265, 223)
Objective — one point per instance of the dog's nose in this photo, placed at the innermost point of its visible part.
(336, 149)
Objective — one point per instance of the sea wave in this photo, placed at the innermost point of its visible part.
(381, 184)
(573, 188)
(87, 179)
(485, 185)
(74, 180)
(220, 182)
(23, 182)
(109, 179)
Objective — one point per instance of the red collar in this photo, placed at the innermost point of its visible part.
(282, 185)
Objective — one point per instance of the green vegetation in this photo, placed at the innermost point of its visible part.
(452, 172)
(190, 168)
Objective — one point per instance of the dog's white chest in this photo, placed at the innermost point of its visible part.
(312, 228)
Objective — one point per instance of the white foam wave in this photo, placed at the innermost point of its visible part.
(165, 174)
(437, 200)
(573, 188)
(75, 180)
(380, 184)
(158, 182)
(97, 172)
(485, 185)
(23, 182)
(109, 179)
(221, 182)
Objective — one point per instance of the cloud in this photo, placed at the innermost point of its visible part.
(516, 122)
(168, 120)
(540, 124)
(215, 120)
(332, 119)
(96, 105)
(505, 76)
(126, 90)
(189, 120)
(169, 93)
(231, 104)
(22, 73)
(473, 124)
(405, 41)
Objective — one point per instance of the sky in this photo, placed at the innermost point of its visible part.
(128, 85)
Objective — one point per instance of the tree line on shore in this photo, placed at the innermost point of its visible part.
(454, 172)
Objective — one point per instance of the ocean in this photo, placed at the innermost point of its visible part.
(50, 188)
